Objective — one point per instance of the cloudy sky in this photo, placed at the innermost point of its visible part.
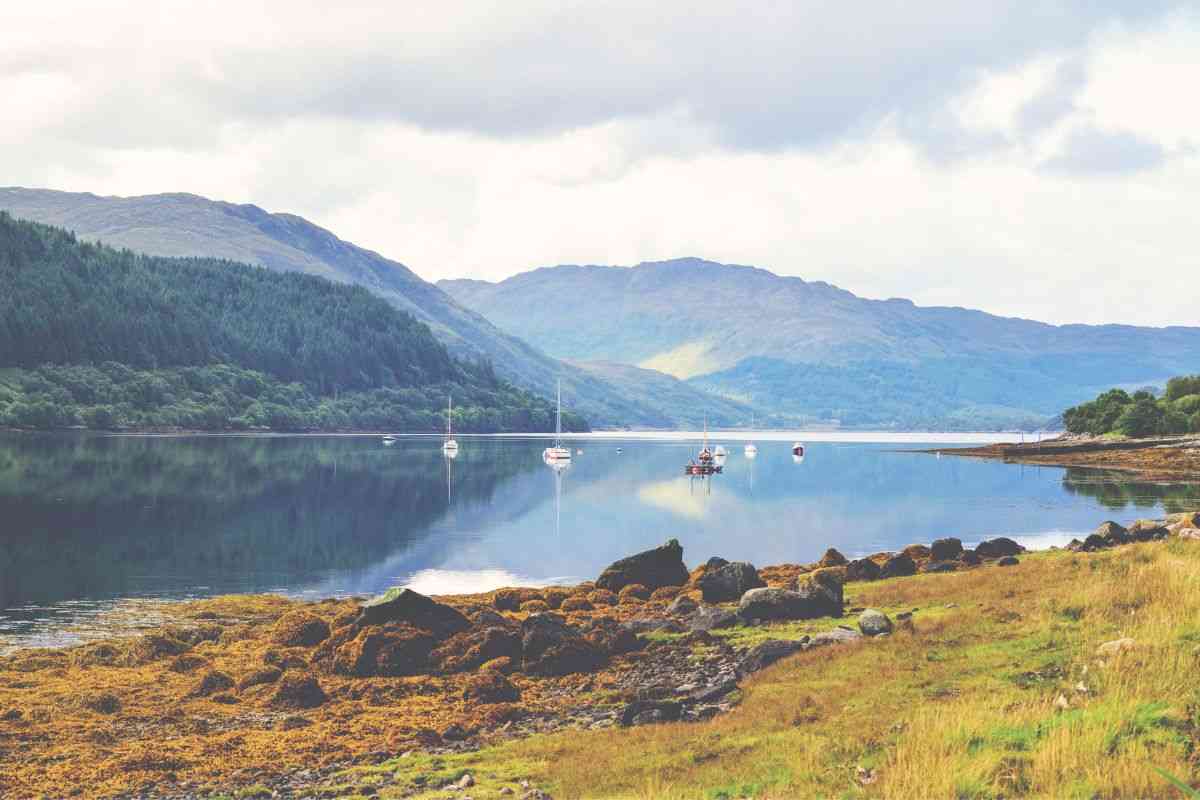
(1030, 159)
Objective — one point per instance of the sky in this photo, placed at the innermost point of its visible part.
(1039, 160)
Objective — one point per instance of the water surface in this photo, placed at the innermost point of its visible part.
(88, 522)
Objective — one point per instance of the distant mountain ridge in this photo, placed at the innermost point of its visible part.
(181, 225)
(814, 351)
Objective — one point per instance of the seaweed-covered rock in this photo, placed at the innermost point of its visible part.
(100, 702)
(633, 593)
(394, 650)
(576, 603)
(534, 606)
(487, 688)
(665, 594)
(511, 599)
(188, 662)
(212, 682)
(947, 549)
(555, 595)
(551, 647)
(832, 558)
(260, 677)
(917, 552)
(154, 646)
(299, 628)
(862, 569)
(602, 597)
(473, 648)
(897, 566)
(298, 692)
(727, 583)
(682, 606)
(662, 566)
(1000, 546)
(413, 608)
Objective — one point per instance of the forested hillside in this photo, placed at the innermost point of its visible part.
(1141, 414)
(103, 338)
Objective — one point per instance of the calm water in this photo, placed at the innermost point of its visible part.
(87, 522)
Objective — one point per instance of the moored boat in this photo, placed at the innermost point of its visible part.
(557, 454)
(449, 446)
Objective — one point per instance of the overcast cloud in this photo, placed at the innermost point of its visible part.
(1032, 159)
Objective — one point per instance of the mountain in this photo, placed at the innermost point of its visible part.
(189, 225)
(812, 351)
(104, 338)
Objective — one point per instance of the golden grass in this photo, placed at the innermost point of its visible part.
(963, 706)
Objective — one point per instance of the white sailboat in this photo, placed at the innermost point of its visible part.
(751, 449)
(557, 454)
(449, 447)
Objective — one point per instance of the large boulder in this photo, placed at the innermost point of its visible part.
(874, 623)
(897, 566)
(862, 569)
(662, 566)
(832, 558)
(838, 635)
(940, 566)
(393, 650)
(1112, 533)
(998, 547)
(945, 549)
(549, 646)
(472, 648)
(1145, 530)
(823, 590)
(682, 606)
(708, 618)
(729, 582)
(413, 608)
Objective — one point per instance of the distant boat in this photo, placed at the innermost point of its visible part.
(449, 447)
(751, 450)
(705, 456)
(719, 451)
(557, 453)
(388, 439)
(798, 449)
(706, 462)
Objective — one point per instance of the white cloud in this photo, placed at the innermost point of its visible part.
(1026, 159)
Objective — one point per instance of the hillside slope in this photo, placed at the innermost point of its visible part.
(812, 349)
(193, 226)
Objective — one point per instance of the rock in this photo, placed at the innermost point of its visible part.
(633, 593)
(187, 662)
(1146, 530)
(947, 549)
(862, 569)
(872, 622)
(1188, 533)
(1008, 561)
(503, 665)
(940, 566)
(837, 573)
(654, 625)
(832, 558)
(1112, 533)
(602, 597)
(392, 650)
(576, 603)
(298, 692)
(534, 606)
(487, 688)
(299, 628)
(642, 712)
(1075, 546)
(665, 594)
(767, 653)
(662, 566)
(682, 606)
(612, 638)
(917, 552)
(711, 694)
(727, 583)
(970, 558)
(405, 605)
(823, 590)
(1095, 542)
(897, 566)
(100, 702)
(1000, 546)
(102, 654)
(213, 681)
(154, 646)
(454, 733)
(555, 595)
(836, 636)
(1188, 519)
(465, 782)
(259, 677)
(1061, 703)
(473, 648)
(1115, 647)
(707, 618)
(511, 599)
(774, 604)
(551, 647)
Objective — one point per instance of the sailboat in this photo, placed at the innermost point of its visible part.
(705, 463)
(449, 447)
(557, 453)
(751, 449)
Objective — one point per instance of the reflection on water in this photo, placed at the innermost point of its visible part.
(88, 521)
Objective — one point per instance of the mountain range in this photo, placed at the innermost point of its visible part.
(182, 225)
(810, 350)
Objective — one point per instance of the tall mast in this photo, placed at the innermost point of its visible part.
(449, 413)
(558, 416)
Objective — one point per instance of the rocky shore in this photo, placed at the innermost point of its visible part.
(266, 697)
(1168, 458)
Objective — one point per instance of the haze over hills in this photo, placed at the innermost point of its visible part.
(189, 225)
(812, 350)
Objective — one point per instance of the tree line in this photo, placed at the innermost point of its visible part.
(102, 338)
(1140, 414)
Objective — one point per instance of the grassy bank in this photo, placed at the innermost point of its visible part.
(995, 691)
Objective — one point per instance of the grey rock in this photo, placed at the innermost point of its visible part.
(873, 622)
(653, 625)
(941, 566)
(836, 636)
(405, 605)
(777, 604)
(642, 712)
(768, 652)
(727, 583)
(1008, 561)
(823, 591)
(898, 565)
(862, 569)
(1000, 546)
(945, 549)
(662, 566)
(708, 618)
(681, 606)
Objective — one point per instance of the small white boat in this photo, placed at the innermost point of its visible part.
(388, 439)
(449, 446)
(751, 451)
(798, 449)
(557, 453)
(719, 451)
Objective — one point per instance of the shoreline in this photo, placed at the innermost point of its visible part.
(1168, 458)
(296, 696)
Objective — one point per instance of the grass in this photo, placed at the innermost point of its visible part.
(967, 704)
